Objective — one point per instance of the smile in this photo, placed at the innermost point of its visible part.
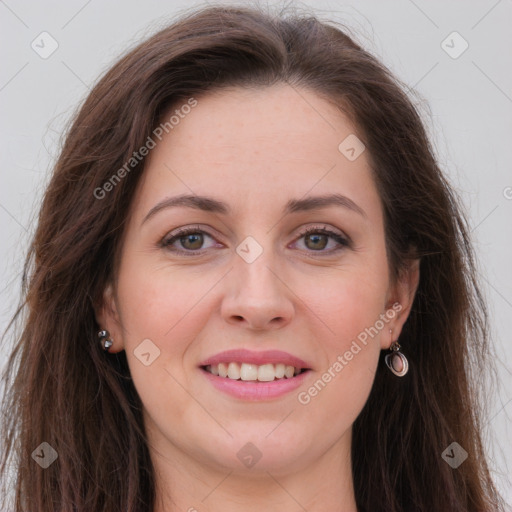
(253, 372)
(250, 375)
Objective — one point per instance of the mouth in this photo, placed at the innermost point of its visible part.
(253, 375)
(249, 372)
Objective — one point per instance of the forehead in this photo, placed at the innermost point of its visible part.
(281, 122)
(256, 146)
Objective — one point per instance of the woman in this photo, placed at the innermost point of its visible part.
(250, 288)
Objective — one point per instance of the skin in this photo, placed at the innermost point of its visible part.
(254, 149)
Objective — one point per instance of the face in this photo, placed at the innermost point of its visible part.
(284, 266)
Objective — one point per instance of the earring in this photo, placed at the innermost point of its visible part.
(106, 342)
(396, 361)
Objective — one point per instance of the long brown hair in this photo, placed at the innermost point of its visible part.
(61, 389)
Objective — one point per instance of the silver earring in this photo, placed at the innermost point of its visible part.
(396, 361)
(106, 342)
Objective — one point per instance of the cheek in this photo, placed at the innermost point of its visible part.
(351, 308)
(339, 393)
(159, 301)
(161, 320)
(342, 387)
(161, 315)
(349, 303)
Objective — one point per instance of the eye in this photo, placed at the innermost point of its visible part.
(186, 240)
(317, 239)
(191, 240)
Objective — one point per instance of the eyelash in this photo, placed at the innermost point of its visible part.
(167, 242)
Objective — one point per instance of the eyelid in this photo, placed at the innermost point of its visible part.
(176, 234)
(341, 239)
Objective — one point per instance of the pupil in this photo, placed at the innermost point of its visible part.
(315, 239)
(193, 238)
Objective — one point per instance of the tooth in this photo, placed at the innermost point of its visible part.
(279, 371)
(234, 371)
(266, 372)
(253, 372)
(248, 371)
(288, 372)
(223, 370)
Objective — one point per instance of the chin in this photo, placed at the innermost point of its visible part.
(254, 451)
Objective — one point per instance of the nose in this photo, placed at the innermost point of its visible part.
(257, 298)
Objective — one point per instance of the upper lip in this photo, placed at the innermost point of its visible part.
(257, 358)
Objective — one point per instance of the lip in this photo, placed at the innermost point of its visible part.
(258, 358)
(255, 391)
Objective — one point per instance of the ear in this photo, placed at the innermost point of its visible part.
(400, 299)
(107, 316)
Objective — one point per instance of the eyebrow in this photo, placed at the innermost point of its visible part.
(318, 202)
(209, 204)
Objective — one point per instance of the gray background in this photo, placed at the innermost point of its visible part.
(466, 101)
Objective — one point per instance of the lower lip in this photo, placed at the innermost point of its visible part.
(255, 390)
